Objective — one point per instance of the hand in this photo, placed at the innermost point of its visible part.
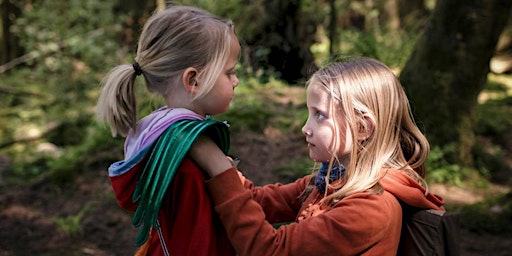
(209, 157)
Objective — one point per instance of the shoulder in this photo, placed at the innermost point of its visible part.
(364, 221)
(371, 204)
(374, 213)
(408, 190)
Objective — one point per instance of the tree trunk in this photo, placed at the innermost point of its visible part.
(411, 12)
(333, 22)
(136, 13)
(282, 43)
(390, 13)
(8, 42)
(449, 67)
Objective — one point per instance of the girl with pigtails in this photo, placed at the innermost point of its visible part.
(187, 56)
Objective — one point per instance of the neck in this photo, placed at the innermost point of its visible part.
(183, 101)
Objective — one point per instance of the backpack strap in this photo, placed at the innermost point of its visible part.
(164, 160)
(429, 232)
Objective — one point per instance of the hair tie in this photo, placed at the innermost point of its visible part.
(136, 67)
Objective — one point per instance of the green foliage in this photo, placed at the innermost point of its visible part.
(493, 119)
(75, 42)
(61, 164)
(392, 47)
(440, 170)
(493, 126)
(99, 148)
(71, 48)
(247, 112)
(489, 159)
(63, 33)
(72, 225)
(251, 109)
(294, 170)
(51, 103)
(245, 15)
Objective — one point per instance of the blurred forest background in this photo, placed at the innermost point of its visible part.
(454, 58)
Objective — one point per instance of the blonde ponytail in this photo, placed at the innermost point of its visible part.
(117, 105)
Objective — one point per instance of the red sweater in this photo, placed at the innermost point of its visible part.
(359, 224)
(188, 222)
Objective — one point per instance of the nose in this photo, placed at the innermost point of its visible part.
(235, 82)
(305, 130)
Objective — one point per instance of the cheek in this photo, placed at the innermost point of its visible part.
(327, 138)
(345, 142)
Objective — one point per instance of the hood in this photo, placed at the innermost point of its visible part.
(139, 142)
(150, 127)
(125, 174)
(405, 188)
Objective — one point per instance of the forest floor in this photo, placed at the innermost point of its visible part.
(81, 217)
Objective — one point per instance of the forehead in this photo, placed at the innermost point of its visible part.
(235, 44)
(317, 96)
(234, 51)
(317, 90)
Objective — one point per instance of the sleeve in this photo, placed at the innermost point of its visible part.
(355, 224)
(280, 202)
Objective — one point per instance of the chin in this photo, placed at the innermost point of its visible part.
(314, 159)
(318, 160)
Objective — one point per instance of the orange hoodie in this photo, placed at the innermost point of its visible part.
(359, 224)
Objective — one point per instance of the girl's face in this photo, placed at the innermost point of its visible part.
(325, 130)
(218, 99)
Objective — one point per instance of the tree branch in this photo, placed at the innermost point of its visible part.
(22, 59)
(16, 91)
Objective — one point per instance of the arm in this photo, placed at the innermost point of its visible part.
(209, 157)
(357, 224)
(280, 202)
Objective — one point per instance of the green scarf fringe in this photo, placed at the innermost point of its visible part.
(166, 156)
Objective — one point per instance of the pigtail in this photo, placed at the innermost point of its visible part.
(116, 104)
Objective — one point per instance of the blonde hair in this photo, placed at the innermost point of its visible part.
(364, 86)
(171, 41)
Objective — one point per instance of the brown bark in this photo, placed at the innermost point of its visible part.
(449, 67)
(333, 21)
(9, 48)
(137, 12)
(282, 40)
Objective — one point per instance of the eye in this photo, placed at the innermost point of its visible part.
(231, 73)
(319, 115)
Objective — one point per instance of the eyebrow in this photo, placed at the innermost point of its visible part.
(233, 67)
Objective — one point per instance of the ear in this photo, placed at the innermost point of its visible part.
(189, 80)
(366, 127)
